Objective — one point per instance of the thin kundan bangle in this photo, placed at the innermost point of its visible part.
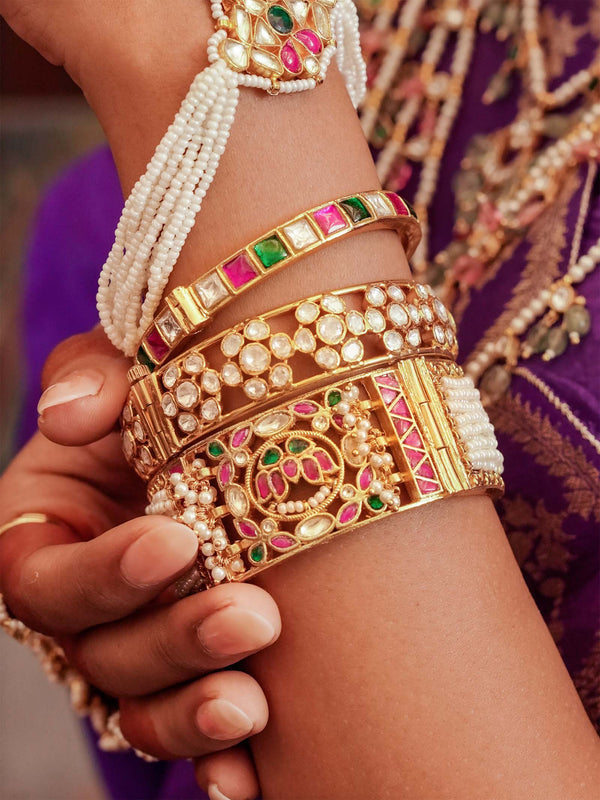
(187, 310)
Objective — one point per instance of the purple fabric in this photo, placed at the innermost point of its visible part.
(73, 233)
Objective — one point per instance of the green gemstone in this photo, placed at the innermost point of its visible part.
(297, 445)
(537, 338)
(215, 450)
(577, 320)
(413, 213)
(257, 553)
(271, 456)
(355, 208)
(270, 251)
(375, 502)
(334, 397)
(558, 339)
(280, 19)
(144, 358)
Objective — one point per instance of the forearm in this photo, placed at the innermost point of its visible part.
(413, 662)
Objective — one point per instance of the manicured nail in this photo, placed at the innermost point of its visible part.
(159, 555)
(220, 719)
(86, 383)
(214, 793)
(232, 630)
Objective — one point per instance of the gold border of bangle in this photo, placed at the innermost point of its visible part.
(30, 518)
(188, 313)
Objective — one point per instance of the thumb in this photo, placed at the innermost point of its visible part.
(85, 383)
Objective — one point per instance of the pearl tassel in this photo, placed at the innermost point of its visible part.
(162, 207)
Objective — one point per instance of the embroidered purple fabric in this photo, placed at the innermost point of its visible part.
(551, 511)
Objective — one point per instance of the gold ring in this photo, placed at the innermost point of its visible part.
(30, 518)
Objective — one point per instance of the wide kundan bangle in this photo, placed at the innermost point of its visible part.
(328, 462)
(281, 47)
(289, 350)
(187, 310)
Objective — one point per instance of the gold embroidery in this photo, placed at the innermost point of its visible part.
(581, 480)
(560, 37)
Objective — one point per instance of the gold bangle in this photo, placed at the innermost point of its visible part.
(328, 462)
(30, 518)
(187, 310)
(183, 400)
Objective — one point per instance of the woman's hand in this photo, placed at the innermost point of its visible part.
(103, 583)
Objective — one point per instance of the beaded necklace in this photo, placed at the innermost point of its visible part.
(506, 180)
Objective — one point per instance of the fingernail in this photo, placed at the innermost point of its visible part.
(214, 793)
(234, 630)
(159, 555)
(75, 386)
(220, 719)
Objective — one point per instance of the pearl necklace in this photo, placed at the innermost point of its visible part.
(162, 207)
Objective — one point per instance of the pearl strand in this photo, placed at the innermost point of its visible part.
(162, 207)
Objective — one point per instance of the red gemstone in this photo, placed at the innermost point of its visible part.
(305, 408)
(325, 462)
(156, 344)
(425, 470)
(413, 440)
(398, 204)
(310, 40)
(365, 477)
(240, 271)
(247, 528)
(282, 541)
(413, 456)
(311, 469)
(290, 58)
(290, 468)
(225, 473)
(348, 513)
(401, 409)
(427, 487)
(262, 485)
(402, 425)
(239, 437)
(329, 219)
(277, 484)
(388, 379)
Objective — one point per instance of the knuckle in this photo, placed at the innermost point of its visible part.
(176, 645)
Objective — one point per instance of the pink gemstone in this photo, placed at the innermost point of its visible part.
(310, 40)
(329, 219)
(156, 344)
(247, 528)
(282, 541)
(278, 485)
(239, 437)
(413, 440)
(413, 456)
(425, 470)
(290, 468)
(388, 379)
(365, 477)
(290, 58)
(349, 513)
(311, 469)
(427, 487)
(325, 462)
(175, 467)
(225, 473)
(338, 420)
(401, 409)
(398, 204)
(402, 425)
(262, 485)
(389, 395)
(239, 271)
(305, 408)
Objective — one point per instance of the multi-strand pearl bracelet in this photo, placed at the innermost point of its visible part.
(281, 47)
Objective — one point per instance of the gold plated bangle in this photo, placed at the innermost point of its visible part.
(329, 461)
(224, 378)
(187, 310)
(30, 518)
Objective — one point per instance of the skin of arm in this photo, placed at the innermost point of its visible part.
(413, 662)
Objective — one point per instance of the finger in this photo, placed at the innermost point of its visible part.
(61, 586)
(85, 381)
(205, 716)
(228, 774)
(177, 642)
